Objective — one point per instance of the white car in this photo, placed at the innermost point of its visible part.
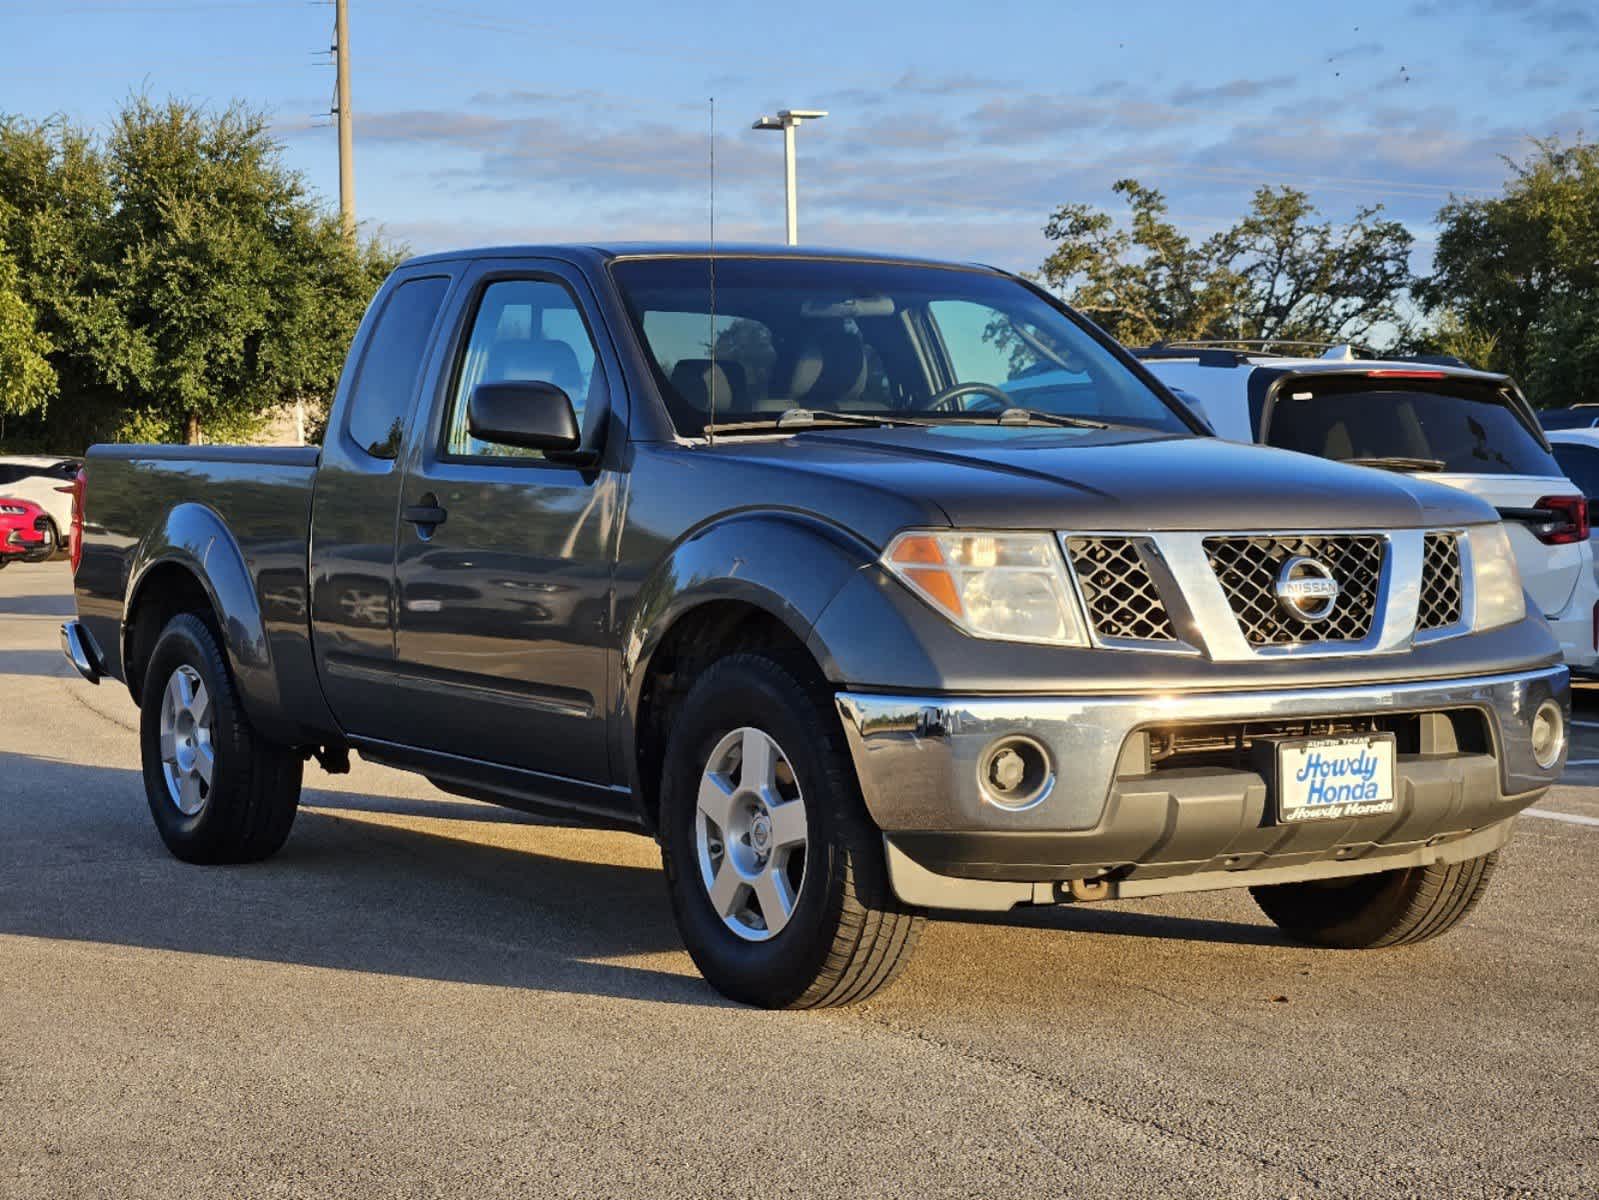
(1577, 452)
(1470, 429)
(47, 481)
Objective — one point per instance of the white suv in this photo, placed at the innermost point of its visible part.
(1469, 429)
(45, 480)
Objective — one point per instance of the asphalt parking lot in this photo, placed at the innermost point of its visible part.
(423, 996)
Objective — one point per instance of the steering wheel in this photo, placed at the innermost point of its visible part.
(993, 399)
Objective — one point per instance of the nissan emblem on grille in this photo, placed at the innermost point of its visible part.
(1306, 589)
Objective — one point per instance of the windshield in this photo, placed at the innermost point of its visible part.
(1468, 430)
(867, 339)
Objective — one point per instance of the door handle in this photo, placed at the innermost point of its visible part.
(424, 515)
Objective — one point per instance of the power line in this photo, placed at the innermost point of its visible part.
(341, 57)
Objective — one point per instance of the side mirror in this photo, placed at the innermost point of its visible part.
(527, 413)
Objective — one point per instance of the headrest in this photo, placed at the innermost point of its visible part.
(830, 366)
(544, 359)
(692, 379)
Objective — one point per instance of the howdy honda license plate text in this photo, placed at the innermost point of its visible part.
(1325, 778)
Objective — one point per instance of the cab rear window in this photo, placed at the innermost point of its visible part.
(1464, 429)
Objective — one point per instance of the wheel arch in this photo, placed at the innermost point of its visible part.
(753, 582)
(191, 563)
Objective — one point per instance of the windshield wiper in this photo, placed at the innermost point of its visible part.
(1397, 462)
(805, 418)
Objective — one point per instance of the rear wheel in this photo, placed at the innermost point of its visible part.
(1391, 908)
(776, 873)
(219, 792)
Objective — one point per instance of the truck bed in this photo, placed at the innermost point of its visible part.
(248, 502)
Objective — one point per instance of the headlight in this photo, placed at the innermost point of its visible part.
(1010, 586)
(1495, 578)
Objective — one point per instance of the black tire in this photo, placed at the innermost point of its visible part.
(1368, 912)
(248, 809)
(848, 935)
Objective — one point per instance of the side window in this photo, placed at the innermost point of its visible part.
(388, 375)
(976, 337)
(1581, 466)
(524, 329)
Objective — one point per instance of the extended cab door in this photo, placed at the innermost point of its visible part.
(504, 556)
(358, 495)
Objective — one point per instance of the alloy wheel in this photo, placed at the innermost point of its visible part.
(751, 834)
(188, 757)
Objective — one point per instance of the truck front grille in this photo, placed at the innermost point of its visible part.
(1248, 567)
(1442, 586)
(1122, 599)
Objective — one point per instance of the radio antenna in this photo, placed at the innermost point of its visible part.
(710, 382)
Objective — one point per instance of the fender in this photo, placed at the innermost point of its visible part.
(788, 564)
(193, 536)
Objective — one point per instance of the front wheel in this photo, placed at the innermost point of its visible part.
(219, 792)
(776, 873)
(1390, 908)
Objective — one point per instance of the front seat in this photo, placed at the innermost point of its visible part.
(828, 370)
(544, 359)
(695, 380)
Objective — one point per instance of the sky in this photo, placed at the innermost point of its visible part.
(954, 129)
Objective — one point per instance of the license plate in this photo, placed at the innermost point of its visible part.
(1328, 778)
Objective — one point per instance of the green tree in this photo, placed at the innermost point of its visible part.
(186, 279)
(27, 381)
(1279, 273)
(1521, 270)
(54, 200)
(234, 287)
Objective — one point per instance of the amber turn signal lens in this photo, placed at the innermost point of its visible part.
(918, 549)
(939, 587)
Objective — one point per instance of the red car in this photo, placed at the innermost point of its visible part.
(26, 533)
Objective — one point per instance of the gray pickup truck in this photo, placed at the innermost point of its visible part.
(791, 561)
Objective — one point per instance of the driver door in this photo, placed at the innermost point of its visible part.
(505, 603)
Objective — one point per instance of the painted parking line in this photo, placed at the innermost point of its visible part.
(1571, 818)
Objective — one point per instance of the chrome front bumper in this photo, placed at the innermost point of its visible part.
(1106, 814)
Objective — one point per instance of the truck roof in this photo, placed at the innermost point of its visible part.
(605, 251)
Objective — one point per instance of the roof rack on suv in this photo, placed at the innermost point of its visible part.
(1233, 352)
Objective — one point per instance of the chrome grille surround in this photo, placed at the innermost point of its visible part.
(1444, 608)
(1247, 568)
(1382, 569)
(1119, 594)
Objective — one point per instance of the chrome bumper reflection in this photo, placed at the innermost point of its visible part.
(81, 652)
(918, 756)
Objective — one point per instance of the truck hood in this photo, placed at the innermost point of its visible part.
(1049, 478)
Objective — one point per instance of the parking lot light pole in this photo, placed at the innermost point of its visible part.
(787, 120)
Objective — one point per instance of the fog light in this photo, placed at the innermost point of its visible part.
(1548, 734)
(1015, 773)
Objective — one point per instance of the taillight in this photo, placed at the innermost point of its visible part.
(75, 544)
(1394, 373)
(1567, 523)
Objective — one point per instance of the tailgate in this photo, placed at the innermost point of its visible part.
(1549, 573)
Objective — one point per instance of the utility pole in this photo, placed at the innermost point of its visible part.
(341, 51)
(787, 120)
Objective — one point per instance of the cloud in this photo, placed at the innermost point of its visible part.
(1550, 16)
(1237, 89)
(585, 98)
(1356, 50)
(1033, 118)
